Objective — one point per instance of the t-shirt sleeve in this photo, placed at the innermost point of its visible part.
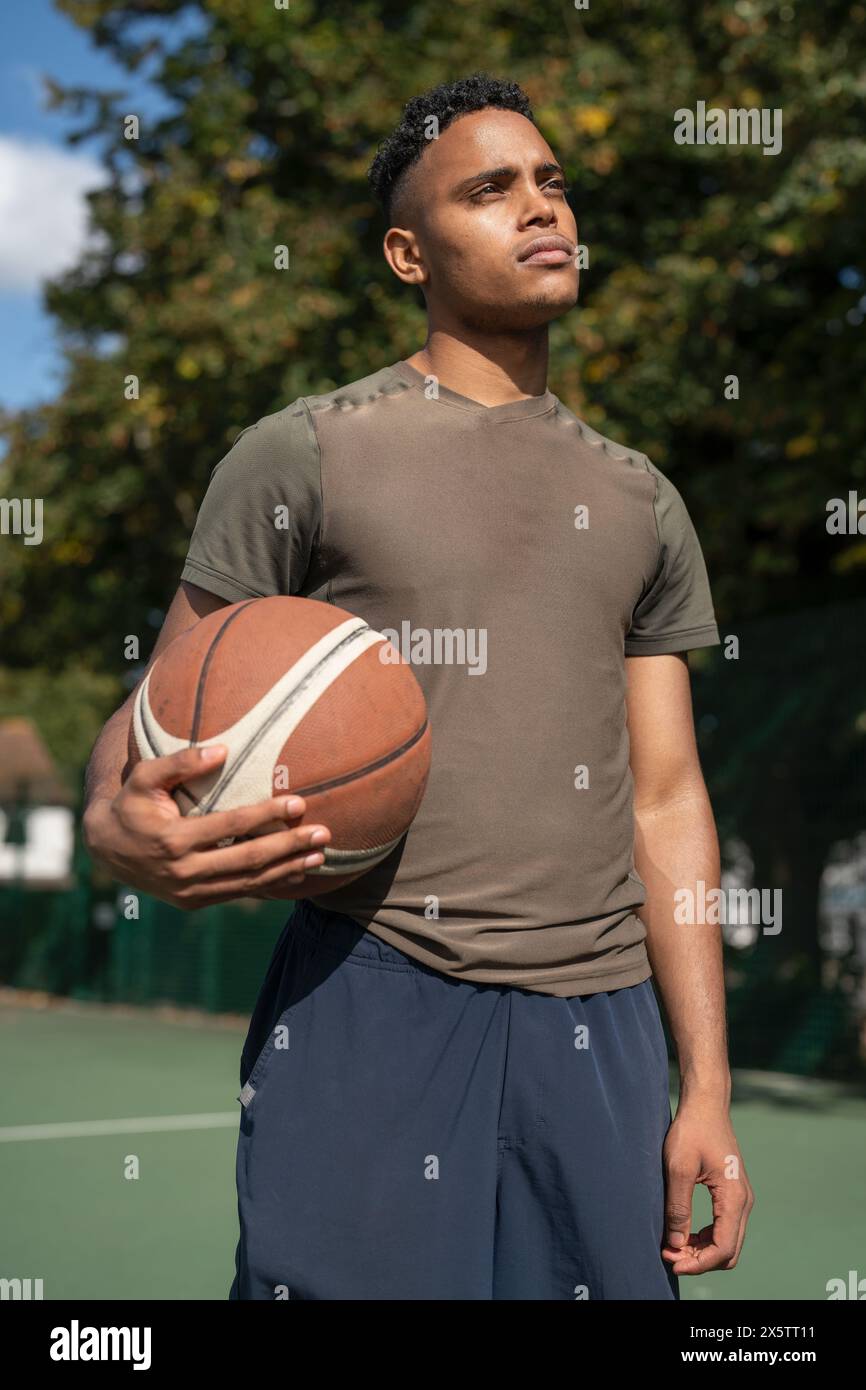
(260, 518)
(675, 612)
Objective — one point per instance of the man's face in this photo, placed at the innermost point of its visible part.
(480, 196)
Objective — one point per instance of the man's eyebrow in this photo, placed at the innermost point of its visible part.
(505, 171)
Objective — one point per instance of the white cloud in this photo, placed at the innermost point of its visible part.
(43, 213)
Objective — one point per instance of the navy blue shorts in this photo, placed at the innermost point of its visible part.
(405, 1135)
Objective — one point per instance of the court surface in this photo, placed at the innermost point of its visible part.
(91, 1095)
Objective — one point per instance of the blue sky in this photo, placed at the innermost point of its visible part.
(43, 225)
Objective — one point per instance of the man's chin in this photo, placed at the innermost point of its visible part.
(546, 301)
(541, 311)
(554, 309)
(520, 317)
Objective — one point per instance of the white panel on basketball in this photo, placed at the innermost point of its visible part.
(255, 741)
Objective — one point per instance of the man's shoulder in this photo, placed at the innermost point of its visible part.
(605, 446)
(360, 392)
(296, 420)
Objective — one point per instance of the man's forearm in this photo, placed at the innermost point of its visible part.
(102, 779)
(676, 848)
(108, 759)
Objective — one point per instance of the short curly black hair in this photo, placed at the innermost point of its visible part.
(406, 144)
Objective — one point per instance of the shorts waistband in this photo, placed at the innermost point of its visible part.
(338, 932)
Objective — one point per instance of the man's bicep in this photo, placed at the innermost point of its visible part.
(675, 612)
(189, 604)
(260, 518)
(663, 750)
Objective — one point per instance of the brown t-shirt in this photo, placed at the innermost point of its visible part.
(515, 557)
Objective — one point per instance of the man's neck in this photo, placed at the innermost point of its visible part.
(492, 373)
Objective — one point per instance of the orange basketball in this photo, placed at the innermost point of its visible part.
(309, 700)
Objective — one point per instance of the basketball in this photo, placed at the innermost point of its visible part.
(309, 700)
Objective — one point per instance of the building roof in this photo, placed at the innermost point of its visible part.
(27, 769)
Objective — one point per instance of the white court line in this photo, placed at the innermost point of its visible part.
(143, 1124)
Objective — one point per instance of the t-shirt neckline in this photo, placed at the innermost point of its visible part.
(509, 410)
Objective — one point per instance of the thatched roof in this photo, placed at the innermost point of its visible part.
(27, 769)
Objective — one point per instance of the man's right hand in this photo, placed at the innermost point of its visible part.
(141, 836)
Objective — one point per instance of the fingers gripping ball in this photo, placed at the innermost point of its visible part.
(298, 692)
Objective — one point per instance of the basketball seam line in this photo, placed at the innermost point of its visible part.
(277, 713)
(349, 777)
(209, 655)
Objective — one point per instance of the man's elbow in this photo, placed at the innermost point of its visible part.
(676, 793)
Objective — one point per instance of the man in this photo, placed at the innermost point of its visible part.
(455, 1082)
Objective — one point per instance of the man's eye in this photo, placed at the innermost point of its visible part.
(488, 186)
(559, 184)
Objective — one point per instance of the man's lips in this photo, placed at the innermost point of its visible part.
(554, 257)
(547, 250)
